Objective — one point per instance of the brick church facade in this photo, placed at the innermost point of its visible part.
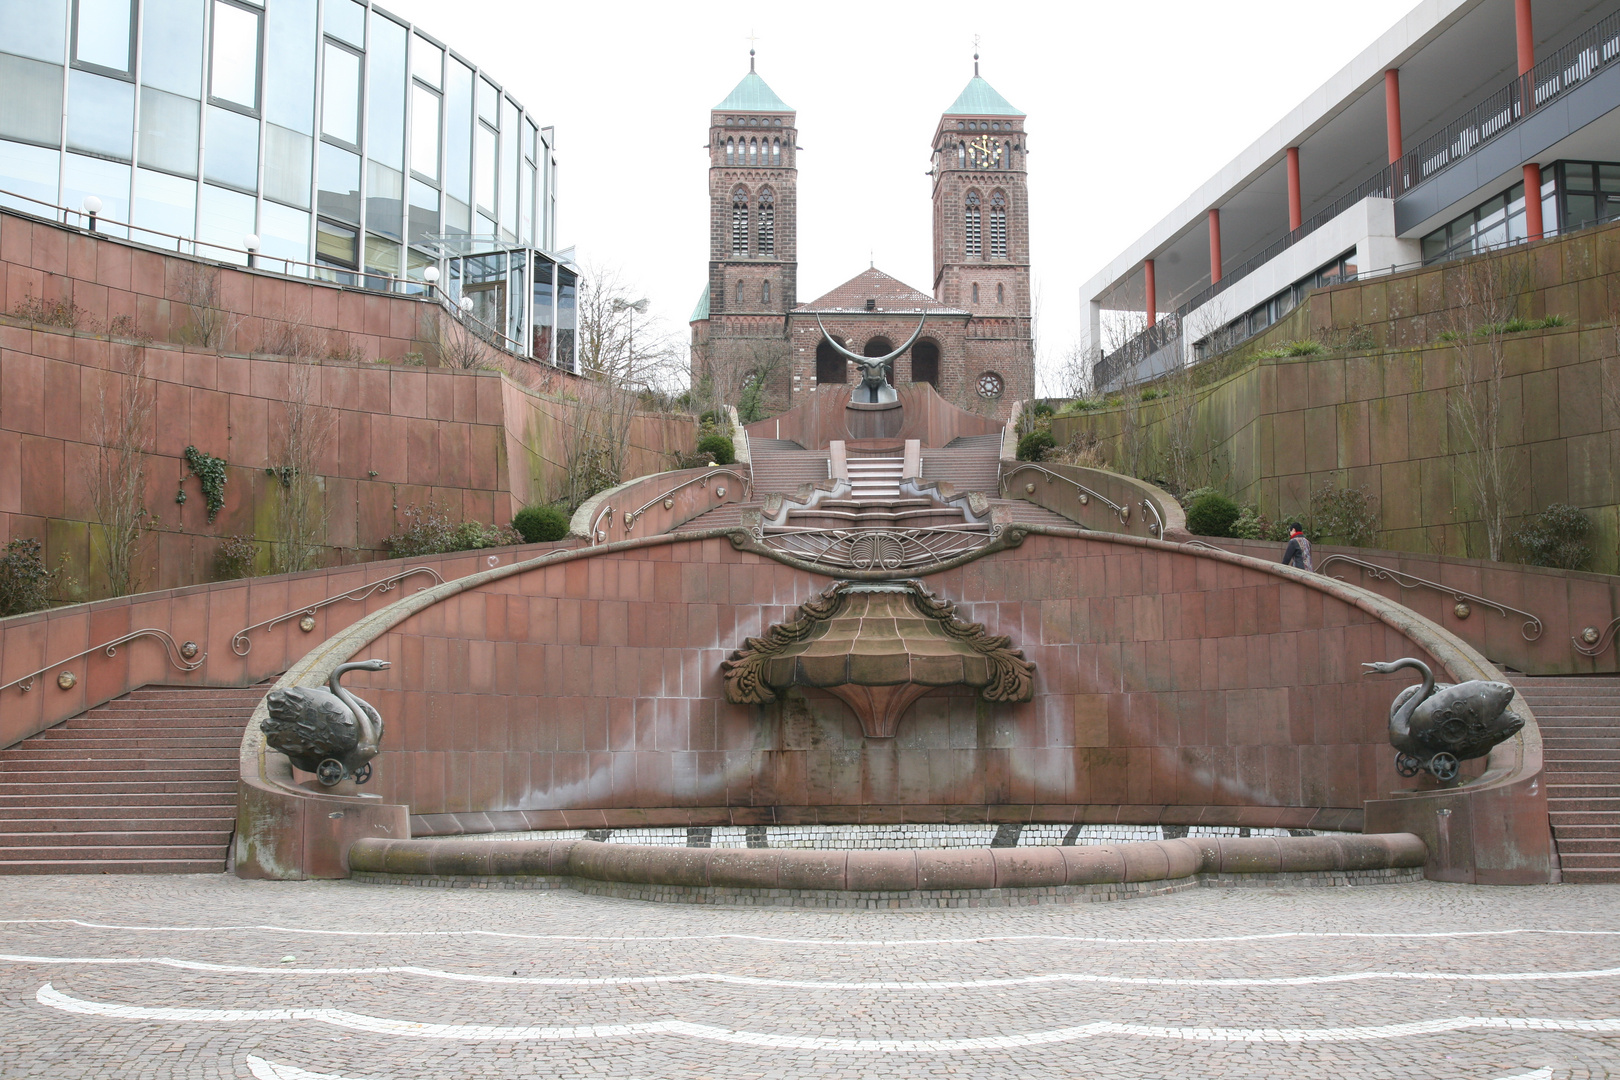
(976, 348)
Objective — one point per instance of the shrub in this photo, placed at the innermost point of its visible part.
(541, 524)
(235, 558)
(1251, 524)
(1033, 446)
(25, 584)
(720, 446)
(1348, 515)
(1085, 449)
(429, 531)
(1212, 514)
(1080, 405)
(1152, 395)
(1302, 347)
(1041, 410)
(1555, 537)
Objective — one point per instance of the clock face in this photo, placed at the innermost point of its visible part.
(985, 153)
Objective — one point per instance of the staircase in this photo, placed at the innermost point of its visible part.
(141, 785)
(876, 477)
(1580, 731)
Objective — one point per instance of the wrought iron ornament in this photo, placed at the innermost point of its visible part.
(241, 646)
(1435, 726)
(1530, 631)
(178, 655)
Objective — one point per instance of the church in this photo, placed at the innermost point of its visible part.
(976, 347)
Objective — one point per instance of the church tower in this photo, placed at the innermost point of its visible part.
(753, 232)
(981, 236)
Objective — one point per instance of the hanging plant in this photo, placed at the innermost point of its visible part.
(211, 471)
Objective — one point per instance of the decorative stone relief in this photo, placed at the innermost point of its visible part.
(879, 647)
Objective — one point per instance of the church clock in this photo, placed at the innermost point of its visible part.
(985, 154)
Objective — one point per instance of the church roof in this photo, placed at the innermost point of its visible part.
(890, 294)
(979, 98)
(701, 312)
(752, 95)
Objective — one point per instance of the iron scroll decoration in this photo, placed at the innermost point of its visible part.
(241, 645)
(1530, 631)
(1592, 642)
(183, 656)
(632, 516)
(1086, 494)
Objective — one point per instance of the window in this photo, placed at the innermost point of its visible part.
(998, 226)
(739, 222)
(739, 294)
(102, 34)
(991, 385)
(1001, 294)
(776, 152)
(234, 60)
(427, 61)
(961, 155)
(767, 222)
(971, 225)
(1006, 155)
(831, 369)
(424, 132)
(765, 294)
(753, 151)
(731, 152)
(385, 93)
(925, 362)
(975, 292)
(340, 100)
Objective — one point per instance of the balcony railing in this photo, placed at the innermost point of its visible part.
(1594, 50)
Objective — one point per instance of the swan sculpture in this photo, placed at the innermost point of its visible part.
(872, 379)
(1434, 726)
(328, 732)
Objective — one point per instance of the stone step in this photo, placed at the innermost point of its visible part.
(70, 750)
(113, 839)
(1604, 832)
(1582, 861)
(102, 819)
(81, 865)
(1588, 876)
(210, 850)
(147, 783)
(1608, 819)
(13, 803)
(97, 770)
(215, 738)
(1551, 743)
(1604, 845)
(119, 728)
(1570, 776)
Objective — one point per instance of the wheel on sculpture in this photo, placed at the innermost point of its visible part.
(1407, 765)
(363, 773)
(330, 771)
(1443, 766)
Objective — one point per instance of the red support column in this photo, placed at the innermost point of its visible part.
(1392, 113)
(1152, 301)
(1525, 35)
(1214, 245)
(1532, 201)
(1296, 206)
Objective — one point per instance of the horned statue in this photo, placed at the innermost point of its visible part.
(874, 388)
(1434, 726)
(328, 732)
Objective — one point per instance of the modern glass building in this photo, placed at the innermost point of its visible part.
(339, 141)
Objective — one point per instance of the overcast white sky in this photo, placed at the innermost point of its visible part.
(1131, 106)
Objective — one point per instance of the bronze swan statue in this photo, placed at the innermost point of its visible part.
(329, 731)
(1434, 726)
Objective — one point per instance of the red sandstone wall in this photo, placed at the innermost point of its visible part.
(1169, 687)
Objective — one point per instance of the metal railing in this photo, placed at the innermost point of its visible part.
(1086, 494)
(1592, 51)
(183, 656)
(241, 646)
(1530, 631)
(632, 516)
(1592, 643)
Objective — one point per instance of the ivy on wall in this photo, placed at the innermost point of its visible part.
(211, 471)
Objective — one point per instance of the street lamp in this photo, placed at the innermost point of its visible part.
(635, 307)
(251, 242)
(431, 277)
(92, 206)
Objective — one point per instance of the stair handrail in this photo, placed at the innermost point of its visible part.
(241, 645)
(1591, 643)
(701, 480)
(181, 656)
(1530, 631)
(1121, 512)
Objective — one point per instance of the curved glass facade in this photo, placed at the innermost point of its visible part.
(336, 133)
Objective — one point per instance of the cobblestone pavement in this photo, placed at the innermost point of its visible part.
(208, 976)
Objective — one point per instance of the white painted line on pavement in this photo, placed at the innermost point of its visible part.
(269, 1070)
(816, 984)
(53, 998)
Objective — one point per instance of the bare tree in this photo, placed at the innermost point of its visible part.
(211, 324)
(122, 433)
(459, 346)
(1484, 296)
(306, 434)
(1074, 374)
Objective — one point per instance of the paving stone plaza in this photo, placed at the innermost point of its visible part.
(210, 976)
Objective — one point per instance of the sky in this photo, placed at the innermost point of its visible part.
(1131, 105)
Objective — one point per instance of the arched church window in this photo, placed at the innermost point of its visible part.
(1006, 155)
(925, 362)
(776, 152)
(731, 152)
(975, 292)
(970, 224)
(753, 152)
(765, 294)
(1001, 294)
(739, 222)
(767, 222)
(830, 365)
(961, 155)
(739, 294)
(998, 225)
